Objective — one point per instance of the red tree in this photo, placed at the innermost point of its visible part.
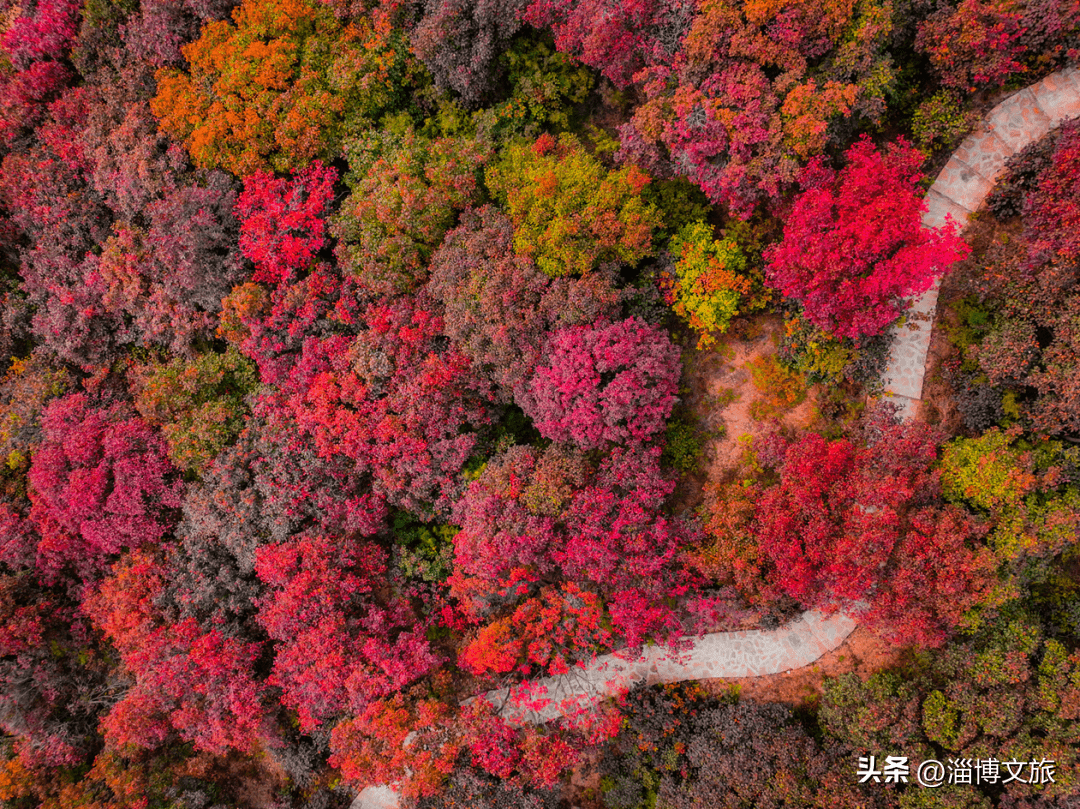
(189, 681)
(45, 35)
(499, 308)
(336, 647)
(616, 37)
(101, 482)
(282, 223)
(854, 246)
(536, 518)
(854, 522)
(605, 383)
(394, 401)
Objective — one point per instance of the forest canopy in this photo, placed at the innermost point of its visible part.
(361, 357)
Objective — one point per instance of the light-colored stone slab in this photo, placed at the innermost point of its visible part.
(1058, 96)
(962, 184)
(380, 797)
(940, 209)
(1018, 121)
(906, 407)
(984, 152)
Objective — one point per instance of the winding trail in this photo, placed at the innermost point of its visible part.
(1019, 120)
(958, 191)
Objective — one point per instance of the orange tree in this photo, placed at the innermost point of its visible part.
(279, 86)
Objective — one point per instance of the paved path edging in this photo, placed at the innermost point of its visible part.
(752, 653)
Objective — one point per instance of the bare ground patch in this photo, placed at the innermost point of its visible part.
(720, 394)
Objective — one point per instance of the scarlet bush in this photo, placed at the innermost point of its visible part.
(854, 246)
(537, 518)
(974, 44)
(192, 682)
(394, 402)
(849, 523)
(101, 482)
(283, 224)
(337, 648)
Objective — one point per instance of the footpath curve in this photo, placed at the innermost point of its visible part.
(1021, 119)
(958, 191)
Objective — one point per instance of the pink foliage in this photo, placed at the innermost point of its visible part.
(45, 35)
(1052, 210)
(132, 164)
(616, 36)
(191, 681)
(158, 31)
(23, 96)
(336, 647)
(200, 681)
(861, 522)
(605, 383)
(393, 400)
(503, 527)
(498, 308)
(548, 517)
(854, 246)
(101, 482)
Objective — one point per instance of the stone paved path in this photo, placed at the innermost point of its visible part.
(959, 189)
(752, 653)
(724, 654)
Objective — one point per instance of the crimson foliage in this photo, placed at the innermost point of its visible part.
(854, 246)
(395, 401)
(188, 681)
(337, 647)
(849, 523)
(282, 224)
(102, 482)
(536, 517)
(1033, 343)
(605, 383)
(736, 95)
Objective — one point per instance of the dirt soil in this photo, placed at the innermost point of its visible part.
(718, 392)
